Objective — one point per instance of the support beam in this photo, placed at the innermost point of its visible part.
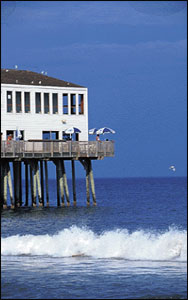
(31, 184)
(65, 183)
(34, 184)
(59, 166)
(20, 182)
(2, 183)
(57, 183)
(26, 184)
(46, 182)
(86, 167)
(4, 173)
(16, 173)
(10, 185)
(38, 183)
(92, 182)
(73, 182)
(42, 180)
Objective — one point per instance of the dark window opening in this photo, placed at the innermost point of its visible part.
(81, 104)
(9, 101)
(38, 103)
(46, 103)
(73, 104)
(70, 137)
(55, 103)
(9, 134)
(50, 135)
(65, 104)
(27, 102)
(15, 135)
(18, 102)
(65, 136)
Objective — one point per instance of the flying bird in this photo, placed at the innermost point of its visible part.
(172, 168)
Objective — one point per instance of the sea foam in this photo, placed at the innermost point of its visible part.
(73, 241)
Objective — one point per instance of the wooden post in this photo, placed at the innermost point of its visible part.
(34, 185)
(4, 186)
(46, 182)
(38, 183)
(42, 180)
(16, 172)
(57, 182)
(65, 183)
(87, 185)
(2, 183)
(73, 183)
(31, 184)
(59, 166)
(10, 185)
(20, 182)
(26, 184)
(14, 180)
(84, 162)
(92, 182)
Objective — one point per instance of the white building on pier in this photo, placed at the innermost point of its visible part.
(41, 107)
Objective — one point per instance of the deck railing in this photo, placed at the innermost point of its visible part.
(48, 149)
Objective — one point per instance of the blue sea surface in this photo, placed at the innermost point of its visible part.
(132, 245)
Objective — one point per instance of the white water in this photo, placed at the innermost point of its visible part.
(139, 245)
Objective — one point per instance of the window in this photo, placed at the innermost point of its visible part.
(54, 135)
(10, 134)
(46, 103)
(38, 103)
(70, 137)
(50, 135)
(73, 104)
(9, 101)
(18, 102)
(27, 102)
(17, 135)
(55, 103)
(66, 136)
(65, 104)
(81, 104)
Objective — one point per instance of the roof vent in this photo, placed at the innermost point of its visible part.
(6, 70)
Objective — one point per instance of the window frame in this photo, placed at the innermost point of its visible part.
(17, 104)
(9, 105)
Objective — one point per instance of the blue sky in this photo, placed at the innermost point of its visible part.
(132, 56)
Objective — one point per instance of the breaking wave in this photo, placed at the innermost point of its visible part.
(75, 241)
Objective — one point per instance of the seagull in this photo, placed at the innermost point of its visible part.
(172, 168)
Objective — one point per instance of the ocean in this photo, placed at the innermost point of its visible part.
(132, 245)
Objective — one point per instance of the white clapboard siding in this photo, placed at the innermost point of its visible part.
(32, 123)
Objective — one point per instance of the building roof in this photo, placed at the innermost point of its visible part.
(22, 77)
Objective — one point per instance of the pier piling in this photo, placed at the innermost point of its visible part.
(46, 182)
(42, 181)
(4, 173)
(10, 185)
(26, 184)
(36, 173)
(65, 182)
(73, 183)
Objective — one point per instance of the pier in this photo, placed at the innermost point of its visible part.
(34, 156)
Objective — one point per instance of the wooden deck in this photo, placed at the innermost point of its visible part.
(56, 149)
